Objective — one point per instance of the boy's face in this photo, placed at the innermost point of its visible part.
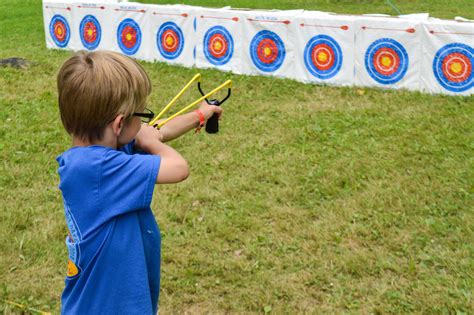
(129, 131)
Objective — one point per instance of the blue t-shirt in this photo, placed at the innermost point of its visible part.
(114, 241)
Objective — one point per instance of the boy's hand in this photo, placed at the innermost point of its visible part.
(209, 110)
(147, 137)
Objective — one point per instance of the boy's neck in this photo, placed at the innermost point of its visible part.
(108, 140)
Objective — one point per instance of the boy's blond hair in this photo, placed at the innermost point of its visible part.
(95, 87)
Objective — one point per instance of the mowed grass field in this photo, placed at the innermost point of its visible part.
(310, 199)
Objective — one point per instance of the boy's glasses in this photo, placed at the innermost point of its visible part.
(146, 116)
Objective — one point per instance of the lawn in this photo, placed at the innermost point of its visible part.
(310, 199)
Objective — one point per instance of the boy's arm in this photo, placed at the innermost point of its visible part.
(181, 124)
(173, 167)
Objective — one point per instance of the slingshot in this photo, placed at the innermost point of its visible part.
(212, 125)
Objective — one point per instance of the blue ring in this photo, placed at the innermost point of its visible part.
(59, 18)
(318, 73)
(230, 43)
(254, 46)
(94, 44)
(174, 27)
(402, 55)
(133, 24)
(438, 67)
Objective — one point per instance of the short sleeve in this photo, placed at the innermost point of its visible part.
(127, 182)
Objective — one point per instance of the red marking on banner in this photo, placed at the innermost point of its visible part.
(408, 30)
(87, 7)
(267, 21)
(456, 33)
(61, 8)
(139, 11)
(343, 27)
(182, 14)
(235, 19)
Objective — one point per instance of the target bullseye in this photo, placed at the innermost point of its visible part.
(386, 61)
(59, 30)
(90, 32)
(323, 57)
(267, 51)
(453, 67)
(218, 45)
(170, 40)
(129, 36)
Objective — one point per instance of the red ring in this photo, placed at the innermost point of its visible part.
(267, 43)
(392, 55)
(322, 65)
(60, 26)
(466, 67)
(129, 43)
(170, 48)
(220, 39)
(90, 27)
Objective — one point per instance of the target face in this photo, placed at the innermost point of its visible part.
(323, 57)
(59, 30)
(386, 61)
(452, 67)
(267, 51)
(170, 40)
(90, 32)
(129, 36)
(218, 45)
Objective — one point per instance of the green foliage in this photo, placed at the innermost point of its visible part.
(310, 199)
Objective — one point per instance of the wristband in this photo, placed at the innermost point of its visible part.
(202, 120)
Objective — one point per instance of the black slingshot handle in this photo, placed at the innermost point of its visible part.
(212, 124)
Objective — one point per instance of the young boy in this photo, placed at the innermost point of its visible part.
(107, 180)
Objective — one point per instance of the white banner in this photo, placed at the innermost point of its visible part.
(411, 52)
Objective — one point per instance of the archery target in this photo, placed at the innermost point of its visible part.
(452, 67)
(267, 51)
(386, 61)
(218, 45)
(59, 30)
(323, 57)
(90, 32)
(170, 40)
(129, 36)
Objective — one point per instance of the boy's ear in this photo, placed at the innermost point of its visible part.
(117, 124)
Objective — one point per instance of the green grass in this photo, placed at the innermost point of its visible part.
(310, 199)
